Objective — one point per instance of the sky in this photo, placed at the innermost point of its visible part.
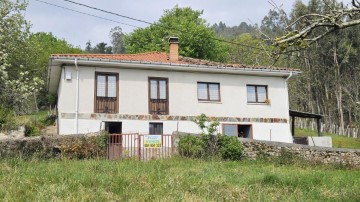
(78, 28)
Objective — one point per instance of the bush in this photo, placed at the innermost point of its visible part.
(205, 146)
(84, 147)
(7, 119)
(49, 120)
(32, 129)
(191, 146)
(229, 148)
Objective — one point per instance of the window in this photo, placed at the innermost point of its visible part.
(256, 93)
(155, 128)
(106, 93)
(208, 91)
(158, 96)
(236, 130)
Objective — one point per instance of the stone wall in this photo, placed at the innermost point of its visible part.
(347, 157)
(44, 147)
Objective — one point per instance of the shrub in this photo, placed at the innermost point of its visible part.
(208, 144)
(83, 148)
(7, 119)
(229, 148)
(49, 120)
(32, 129)
(205, 146)
(191, 146)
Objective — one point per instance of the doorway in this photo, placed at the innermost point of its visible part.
(113, 127)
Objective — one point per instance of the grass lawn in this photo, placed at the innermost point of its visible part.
(174, 179)
(337, 140)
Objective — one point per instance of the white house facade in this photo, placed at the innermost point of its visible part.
(158, 93)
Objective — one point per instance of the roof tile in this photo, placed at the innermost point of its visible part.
(164, 58)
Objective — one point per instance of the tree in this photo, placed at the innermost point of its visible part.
(117, 40)
(100, 48)
(88, 47)
(311, 27)
(40, 46)
(15, 85)
(197, 39)
(248, 54)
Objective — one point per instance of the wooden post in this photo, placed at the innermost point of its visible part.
(293, 126)
(139, 146)
(318, 126)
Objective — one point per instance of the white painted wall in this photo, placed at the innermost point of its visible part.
(133, 99)
(133, 93)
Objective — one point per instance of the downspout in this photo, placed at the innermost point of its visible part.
(288, 99)
(77, 98)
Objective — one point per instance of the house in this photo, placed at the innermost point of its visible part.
(159, 93)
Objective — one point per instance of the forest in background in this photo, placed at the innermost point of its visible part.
(328, 84)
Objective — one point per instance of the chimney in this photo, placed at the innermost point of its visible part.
(174, 49)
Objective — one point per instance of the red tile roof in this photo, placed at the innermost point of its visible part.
(164, 58)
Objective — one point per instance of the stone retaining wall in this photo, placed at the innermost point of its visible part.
(87, 146)
(70, 146)
(256, 148)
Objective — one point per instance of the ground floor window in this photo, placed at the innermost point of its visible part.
(237, 130)
(113, 127)
(155, 128)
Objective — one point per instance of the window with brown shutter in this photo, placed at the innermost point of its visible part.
(158, 96)
(106, 92)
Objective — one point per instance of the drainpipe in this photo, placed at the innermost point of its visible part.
(288, 100)
(77, 98)
(287, 78)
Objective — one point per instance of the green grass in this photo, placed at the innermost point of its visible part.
(33, 117)
(337, 140)
(174, 180)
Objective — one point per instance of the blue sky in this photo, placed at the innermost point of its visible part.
(77, 28)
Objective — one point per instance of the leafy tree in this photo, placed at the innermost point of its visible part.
(117, 40)
(196, 37)
(100, 48)
(88, 47)
(15, 85)
(41, 45)
(252, 54)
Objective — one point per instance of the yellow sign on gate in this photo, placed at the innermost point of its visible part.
(152, 141)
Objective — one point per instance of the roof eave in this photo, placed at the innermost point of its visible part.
(175, 66)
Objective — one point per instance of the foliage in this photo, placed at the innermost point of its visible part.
(196, 37)
(207, 128)
(15, 85)
(7, 119)
(208, 144)
(100, 48)
(230, 148)
(83, 148)
(175, 179)
(32, 129)
(191, 146)
(117, 40)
